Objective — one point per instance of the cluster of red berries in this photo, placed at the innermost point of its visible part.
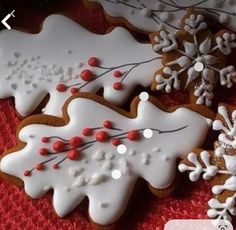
(87, 75)
(76, 141)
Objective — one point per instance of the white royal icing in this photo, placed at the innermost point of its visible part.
(150, 16)
(198, 60)
(33, 65)
(226, 141)
(103, 172)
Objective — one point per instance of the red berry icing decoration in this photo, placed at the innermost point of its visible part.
(27, 173)
(133, 135)
(73, 154)
(87, 132)
(86, 75)
(39, 166)
(107, 124)
(76, 141)
(74, 90)
(101, 136)
(55, 166)
(61, 87)
(45, 139)
(117, 73)
(43, 151)
(93, 61)
(115, 141)
(58, 146)
(117, 85)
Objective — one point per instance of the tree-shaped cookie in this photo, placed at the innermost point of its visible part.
(65, 58)
(194, 59)
(151, 16)
(219, 165)
(100, 152)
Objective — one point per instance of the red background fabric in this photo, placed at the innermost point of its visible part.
(17, 211)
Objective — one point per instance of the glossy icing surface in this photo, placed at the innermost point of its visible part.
(151, 16)
(102, 154)
(65, 58)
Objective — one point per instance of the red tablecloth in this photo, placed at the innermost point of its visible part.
(17, 211)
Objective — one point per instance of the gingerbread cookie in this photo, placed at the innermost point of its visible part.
(65, 58)
(194, 59)
(97, 150)
(218, 165)
(151, 16)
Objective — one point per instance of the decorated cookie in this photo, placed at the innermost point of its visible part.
(218, 166)
(194, 59)
(64, 58)
(99, 151)
(151, 16)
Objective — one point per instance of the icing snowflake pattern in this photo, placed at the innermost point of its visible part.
(151, 16)
(65, 58)
(219, 166)
(99, 154)
(196, 54)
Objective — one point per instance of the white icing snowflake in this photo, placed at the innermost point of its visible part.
(82, 158)
(218, 165)
(197, 55)
(65, 58)
(150, 16)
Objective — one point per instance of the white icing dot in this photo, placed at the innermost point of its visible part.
(43, 110)
(46, 188)
(103, 204)
(79, 182)
(165, 16)
(132, 12)
(145, 158)
(67, 189)
(198, 66)
(17, 55)
(146, 12)
(14, 86)
(121, 149)
(156, 149)
(75, 172)
(116, 174)
(144, 96)
(131, 152)
(99, 155)
(147, 133)
(109, 156)
(124, 167)
(96, 178)
(224, 18)
(165, 158)
(107, 165)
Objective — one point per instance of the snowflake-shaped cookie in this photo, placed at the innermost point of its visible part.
(65, 58)
(151, 16)
(195, 59)
(219, 165)
(100, 153)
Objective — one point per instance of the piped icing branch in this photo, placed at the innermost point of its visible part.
(219, 166)
(195, 59)
(150, 16)
(99, 152)
(87, 76)
(65, 58)
(73, 147)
